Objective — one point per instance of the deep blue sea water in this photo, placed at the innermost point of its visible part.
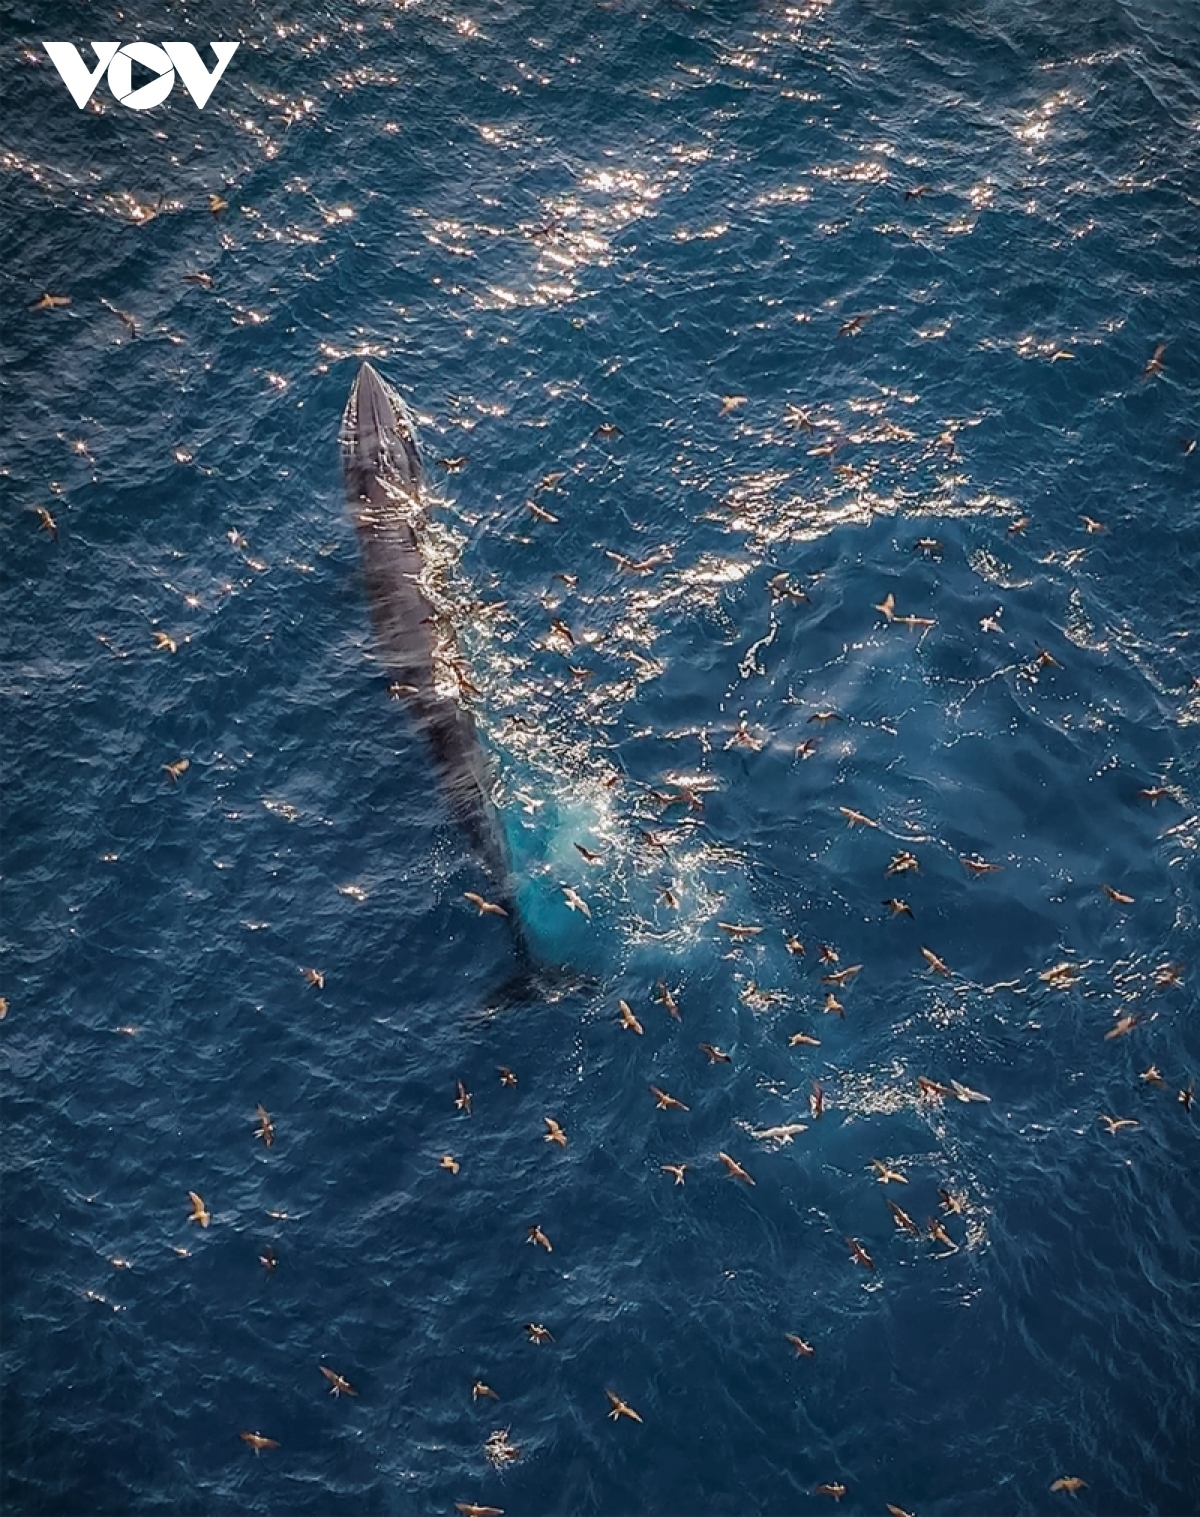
(538, 220)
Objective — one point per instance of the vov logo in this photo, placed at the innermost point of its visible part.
(163, 61)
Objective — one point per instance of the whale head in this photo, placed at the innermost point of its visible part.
(379, 439)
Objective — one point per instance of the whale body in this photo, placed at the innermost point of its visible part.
(385, 493)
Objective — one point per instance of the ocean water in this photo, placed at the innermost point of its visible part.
(863, 286)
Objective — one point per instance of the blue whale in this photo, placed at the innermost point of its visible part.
(385, 491)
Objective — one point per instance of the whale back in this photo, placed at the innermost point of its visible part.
(384, 490)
